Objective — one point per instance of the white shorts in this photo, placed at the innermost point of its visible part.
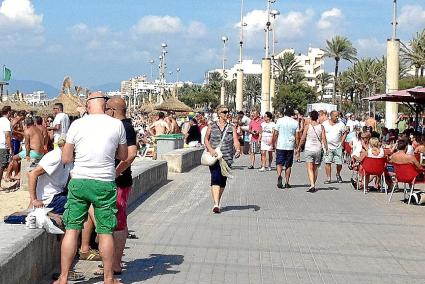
(266, 147)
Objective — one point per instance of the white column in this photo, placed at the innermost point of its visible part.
(265, 85)
(239, 90)
(222, 94)
(272, 93)
(393, 70)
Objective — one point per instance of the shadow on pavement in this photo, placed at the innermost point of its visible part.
(240, 207)
(328, 188)
(157, 264)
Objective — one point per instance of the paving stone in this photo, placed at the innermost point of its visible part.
(266, 235)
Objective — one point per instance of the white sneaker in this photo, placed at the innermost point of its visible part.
(269, 169)
(263, 169)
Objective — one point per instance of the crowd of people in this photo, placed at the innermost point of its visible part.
(70, 158)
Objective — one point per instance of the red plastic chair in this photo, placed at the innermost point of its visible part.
(374, 167)
(405, 173)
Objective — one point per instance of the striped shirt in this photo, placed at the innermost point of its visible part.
(227, 148)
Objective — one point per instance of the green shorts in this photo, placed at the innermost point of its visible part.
(33, 154)
(101, 194)
(334, 156)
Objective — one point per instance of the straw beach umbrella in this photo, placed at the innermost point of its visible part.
(173, 104)
(149, 107)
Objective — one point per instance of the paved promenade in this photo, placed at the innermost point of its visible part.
(266, 235)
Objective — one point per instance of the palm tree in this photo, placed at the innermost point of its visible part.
(339, 48)
(252, 90)
(289, 69)
(414, 53)
(323, 80)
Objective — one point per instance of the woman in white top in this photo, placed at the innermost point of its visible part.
(315, 139)
(266, 137)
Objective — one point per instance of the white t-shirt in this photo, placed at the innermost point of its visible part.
(352, 124)
(334, 134)
(54, 180)
(62, 119)
(267, 132)
(287, 127)
(96, 138)
(4, 127)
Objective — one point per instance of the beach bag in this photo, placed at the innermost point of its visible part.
(207, 159)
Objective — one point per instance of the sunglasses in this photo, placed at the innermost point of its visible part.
(225, 112)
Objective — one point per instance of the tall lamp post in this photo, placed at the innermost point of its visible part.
(152, 62)
(177, 81)
(239, 71)
(162, 71)
(393, 69)
(223, 88)
(265, 77)
(274, 14)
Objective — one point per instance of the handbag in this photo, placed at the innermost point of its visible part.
(207, 159)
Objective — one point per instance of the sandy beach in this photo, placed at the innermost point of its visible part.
(13, 201)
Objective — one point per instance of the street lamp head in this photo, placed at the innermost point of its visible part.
(274, 13)
(164, 45)
(224, 39)
(160, 57)
(178, 69)
(272, 1)
(151, 61)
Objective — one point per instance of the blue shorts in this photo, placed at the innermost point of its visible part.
(16, 146)
(216, 177)
(58, 203)
(284, 158)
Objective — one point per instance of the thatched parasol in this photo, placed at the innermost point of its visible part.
(149, 107)
(173, 104)
(70, 103)
(17, 105)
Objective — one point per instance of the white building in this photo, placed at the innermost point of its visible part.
(36, 98)
(248, 66)
(312, 63)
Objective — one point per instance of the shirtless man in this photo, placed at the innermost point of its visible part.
(34, 147)
(17, 131)
(43, 129)
(160, 126)
(371, 122)
(401, 156)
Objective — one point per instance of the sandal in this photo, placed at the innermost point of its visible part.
(100, 272)
(72, 276)
(132, 236)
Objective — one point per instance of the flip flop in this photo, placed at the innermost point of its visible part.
(132, 236)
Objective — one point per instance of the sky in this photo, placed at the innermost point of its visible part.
(103, 41)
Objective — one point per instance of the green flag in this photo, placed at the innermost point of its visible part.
(7, 74)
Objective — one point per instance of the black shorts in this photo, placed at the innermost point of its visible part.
(284, 158)
(4, 158)
(216, 177)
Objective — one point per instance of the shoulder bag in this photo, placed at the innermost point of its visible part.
(322, 151)
(207, 159)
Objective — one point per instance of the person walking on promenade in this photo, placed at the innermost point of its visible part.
(116, 107)
(266, 138)
(60, 124)
(5, 140)
(315, 142)
(335, 136)
(219, 131)
(284, 141)
(254, 129)
(93, 149)
(299, 132)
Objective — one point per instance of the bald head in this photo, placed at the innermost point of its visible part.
(96, 103)
(116, 107)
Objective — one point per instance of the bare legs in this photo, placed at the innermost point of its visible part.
(279, 169)
(312, 173)
(120, 237)
(87, 230)
(217, 192)
(328, 170)
(68, 250)
(264, 158)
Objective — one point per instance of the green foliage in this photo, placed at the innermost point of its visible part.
(411, 82)
(288, 69)
(252, 93)
(197, 96)
(414, 53)
(295, 96)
